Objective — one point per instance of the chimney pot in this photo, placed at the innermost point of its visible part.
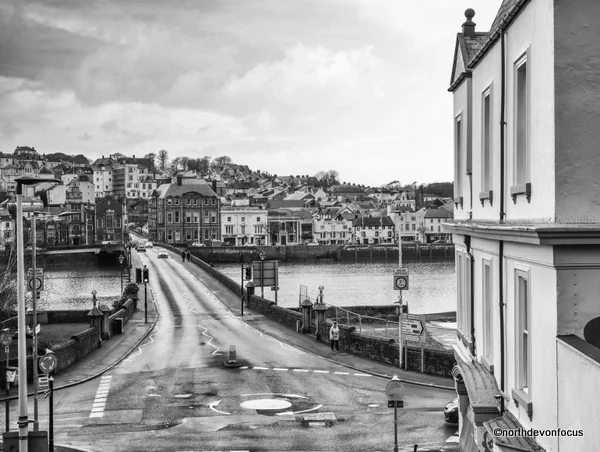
(469, 26)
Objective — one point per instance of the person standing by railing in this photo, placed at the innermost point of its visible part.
(334, 336)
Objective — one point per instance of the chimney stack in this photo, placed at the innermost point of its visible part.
(469, 26)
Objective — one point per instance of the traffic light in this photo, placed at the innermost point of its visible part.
(248, 272)
(138, 275)
(145, 275)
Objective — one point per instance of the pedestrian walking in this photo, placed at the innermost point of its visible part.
(189, 255)
(183, 256)
(334, 336)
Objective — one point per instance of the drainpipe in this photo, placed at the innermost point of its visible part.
(471, 292)
(502, 213)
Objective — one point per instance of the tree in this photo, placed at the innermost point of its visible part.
(333, 176)
(152, 158)
(220, 161)
(8, 282)
(320, 175)
(204, 165)
(163, 159)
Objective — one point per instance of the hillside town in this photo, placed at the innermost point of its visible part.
(77, 203)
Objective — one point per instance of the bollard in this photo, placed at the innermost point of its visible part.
(231, 360)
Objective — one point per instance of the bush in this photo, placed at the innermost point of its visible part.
(131, 291)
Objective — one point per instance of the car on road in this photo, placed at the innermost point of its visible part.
(451, 412)
(141, 248)
(163, 254)
(149, 245)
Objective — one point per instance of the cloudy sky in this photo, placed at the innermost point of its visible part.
(286, 86)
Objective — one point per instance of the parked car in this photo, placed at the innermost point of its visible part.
(451, 412)
(163, 254)
(149, 245)
(141, 248)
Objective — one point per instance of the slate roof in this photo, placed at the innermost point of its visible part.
(438, 213)
(366, 221)
(167, 190)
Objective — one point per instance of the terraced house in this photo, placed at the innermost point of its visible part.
(183, 212)
(527, 227)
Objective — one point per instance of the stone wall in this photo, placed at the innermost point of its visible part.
(77, 348)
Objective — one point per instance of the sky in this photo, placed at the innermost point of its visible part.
(291, 87)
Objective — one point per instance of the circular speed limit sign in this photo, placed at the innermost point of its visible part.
(37, 282)
(401, 282)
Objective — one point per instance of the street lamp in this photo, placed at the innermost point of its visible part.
(23, 421)
(321, 294)
(121, 259)
(262, 274)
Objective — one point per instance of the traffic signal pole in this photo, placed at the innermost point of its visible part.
(242, 289)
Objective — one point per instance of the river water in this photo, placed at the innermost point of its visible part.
(432, 286)
(72, 288)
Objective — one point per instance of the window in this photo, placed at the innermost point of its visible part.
(176, 201)
(188, 216)
(414, 227)
(522, 327)
(243, 219)
(205, 202)
(196, 217)
(228, 219)
(243, 230)
(214, 201)
(258, 219)
(463, 301)
(487, 310)
(257, 229)
(176, 216)
(169, 201)
(521, 154)
(195, 201)
(228, 229)
(169, 217)
(188, 202)
(458, 157)
(169, 235)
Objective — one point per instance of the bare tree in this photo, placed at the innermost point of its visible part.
(220, 161)
(8, 281)
(163, 159)
(320, 175)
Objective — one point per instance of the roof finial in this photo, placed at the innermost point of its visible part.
(469, 26)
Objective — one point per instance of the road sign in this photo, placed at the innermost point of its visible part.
(265, 273)
(412, 338)
(401, 278)
(395, 389)
(412, 327)
(273, 289)
(395, 403)
(36, 283)
(5, 338)
(48, 363)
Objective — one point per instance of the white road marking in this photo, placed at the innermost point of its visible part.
(101, 396)
(148, 341)
(261, 368)
(300, 370)
(342, 373)
(321, 371)
(281, 369)
(363, 375)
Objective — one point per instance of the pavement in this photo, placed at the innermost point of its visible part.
(118, 347)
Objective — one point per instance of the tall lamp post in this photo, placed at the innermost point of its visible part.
(262, 274)
(23, 421)
(121, 259)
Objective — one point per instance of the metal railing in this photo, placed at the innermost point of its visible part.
(364, 324)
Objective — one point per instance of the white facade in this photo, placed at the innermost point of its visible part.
(328, 231)
(243, 225)
(103, 180)
(527, 247)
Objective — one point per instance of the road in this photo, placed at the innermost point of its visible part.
(175, 393)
